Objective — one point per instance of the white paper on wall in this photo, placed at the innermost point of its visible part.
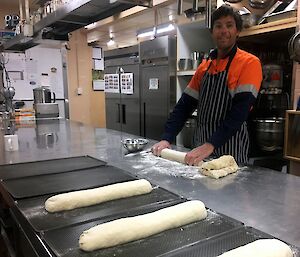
(97, 53)
(153, 83)
(16, 75)
(98, 85)
(98, 64)
(127, 83)
(112, 83)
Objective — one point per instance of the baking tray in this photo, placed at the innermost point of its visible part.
(64, 242)
(65, 182)
(19, 170)
(221, 243)
(34, 210)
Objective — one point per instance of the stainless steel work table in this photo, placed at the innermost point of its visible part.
(265, 199)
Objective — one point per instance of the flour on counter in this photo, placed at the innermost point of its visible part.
(149, 163)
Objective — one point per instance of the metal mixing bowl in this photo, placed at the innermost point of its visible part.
(134, 145)
(270, 133)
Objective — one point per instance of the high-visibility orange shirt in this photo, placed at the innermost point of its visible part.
(244, 75)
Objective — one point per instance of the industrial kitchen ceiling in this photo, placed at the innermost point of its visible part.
(68, 17)
(123, 27)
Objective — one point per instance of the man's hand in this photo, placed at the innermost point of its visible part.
(199, 153)
(158, 147)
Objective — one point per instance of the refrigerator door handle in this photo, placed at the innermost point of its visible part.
(123, 113)
(118, 118)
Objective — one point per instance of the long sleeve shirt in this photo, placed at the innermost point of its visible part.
(244, 81)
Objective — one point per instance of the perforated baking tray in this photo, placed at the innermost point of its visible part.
(34, 209)
(19, 170)
(64, 242)
(221, 243)
(65, 182)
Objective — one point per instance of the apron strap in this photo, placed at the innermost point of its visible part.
(231, 58)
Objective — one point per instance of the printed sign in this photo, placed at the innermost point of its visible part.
(127, 83)
(153, 84)
(112, 83)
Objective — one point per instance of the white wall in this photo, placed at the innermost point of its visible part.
(30, 66)
(25, 71)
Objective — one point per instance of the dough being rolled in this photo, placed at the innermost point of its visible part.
(217, 168)
(133, 228)
(82, 198)
(173, 155)
(220, 167)
(261, 248)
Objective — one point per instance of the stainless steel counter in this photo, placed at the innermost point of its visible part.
(265, 199)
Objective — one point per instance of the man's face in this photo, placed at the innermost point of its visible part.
(224, 32)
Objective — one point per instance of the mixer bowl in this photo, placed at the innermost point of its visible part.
(270, 133)
(134, 145)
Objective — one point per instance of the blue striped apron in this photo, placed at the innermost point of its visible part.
(214, 102)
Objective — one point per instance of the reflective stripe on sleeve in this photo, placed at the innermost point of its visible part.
(191, 92)
(244, 88)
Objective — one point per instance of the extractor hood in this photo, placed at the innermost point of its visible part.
(78, 14)
(74, 15)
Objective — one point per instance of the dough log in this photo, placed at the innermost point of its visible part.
(173, 155)
(220, 167)
(133, 228)
(261, 248)
(83, 198)
(216, 168)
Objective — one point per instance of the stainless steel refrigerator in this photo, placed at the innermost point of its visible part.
(158, 84)
(122, 101)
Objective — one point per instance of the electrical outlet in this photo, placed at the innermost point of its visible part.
(79, 91)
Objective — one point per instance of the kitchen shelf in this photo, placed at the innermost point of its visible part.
(270, 26)
(186, 72)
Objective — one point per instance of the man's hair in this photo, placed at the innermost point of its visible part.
(226, 10)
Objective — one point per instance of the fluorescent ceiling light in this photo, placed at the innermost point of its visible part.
(165, 28)
(91, 26)
(111, 42)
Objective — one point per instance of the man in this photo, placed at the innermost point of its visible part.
(223, 89)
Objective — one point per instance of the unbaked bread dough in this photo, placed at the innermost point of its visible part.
(173, 155)
(261, 248)
(133, 228)
(220, 167)
(216, 168)
(219, 163)
(82, 198)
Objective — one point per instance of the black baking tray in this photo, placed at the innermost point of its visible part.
(221, 243)
(65, 182)
(19, 170)
(34, 209)
(64, 242)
